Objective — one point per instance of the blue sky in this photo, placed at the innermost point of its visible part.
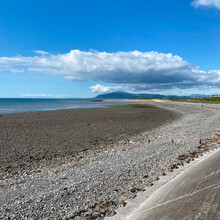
(82, 48)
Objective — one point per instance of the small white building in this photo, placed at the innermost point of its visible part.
(215, 96)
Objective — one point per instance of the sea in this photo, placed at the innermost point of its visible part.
(18, 105)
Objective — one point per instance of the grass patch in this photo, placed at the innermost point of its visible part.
(132, 106)
(198, 100)
(145, 98)
(61, 109)
(96, 100)
(195, 100)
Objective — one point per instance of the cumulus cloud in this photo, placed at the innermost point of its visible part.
(100, 88)
(206, 3)
(138, 70)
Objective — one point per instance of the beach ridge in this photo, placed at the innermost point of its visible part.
(94, 184)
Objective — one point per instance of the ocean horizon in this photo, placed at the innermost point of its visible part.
(19, 105)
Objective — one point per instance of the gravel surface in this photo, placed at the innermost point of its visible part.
(31, 139)
(95, 182)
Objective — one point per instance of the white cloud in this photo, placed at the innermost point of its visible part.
(41, 52)
(138, 70)
(36, 95)
(206, 3)
(101, 88)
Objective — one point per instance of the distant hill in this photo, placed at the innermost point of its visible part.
(126, 95)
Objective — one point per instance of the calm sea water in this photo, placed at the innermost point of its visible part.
(15, 105)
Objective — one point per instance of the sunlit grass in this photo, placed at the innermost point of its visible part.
(198, 100)
(195, 100)
(133, 106)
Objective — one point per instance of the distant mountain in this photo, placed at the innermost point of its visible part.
(126, 95)
(199, 96)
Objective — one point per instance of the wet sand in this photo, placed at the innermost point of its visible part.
(28, 138)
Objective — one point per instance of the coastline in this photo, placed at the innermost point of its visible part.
(25, 105)
(96, 182)
(36, 138)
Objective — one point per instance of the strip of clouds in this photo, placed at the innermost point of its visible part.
(101, 89)
(206, 3)
(36, 95)
(41, 52)
(138, 70)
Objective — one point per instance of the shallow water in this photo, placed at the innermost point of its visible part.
(16, 105)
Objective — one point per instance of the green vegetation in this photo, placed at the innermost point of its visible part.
(133, 106)
(196, 100)
(61, 109)
(146, 98)
(96, 100)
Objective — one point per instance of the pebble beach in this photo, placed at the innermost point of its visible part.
(92, 181)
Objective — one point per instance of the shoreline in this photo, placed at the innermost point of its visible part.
(33, 138)
(96, 182)
(13, 106)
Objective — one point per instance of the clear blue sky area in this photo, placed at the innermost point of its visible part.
(172, 26)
